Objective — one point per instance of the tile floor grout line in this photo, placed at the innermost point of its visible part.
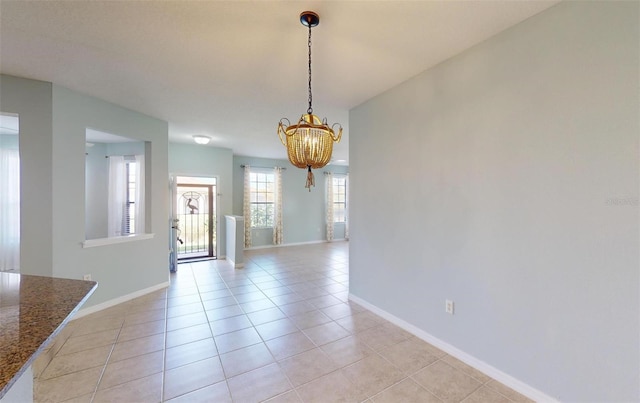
(166, 325)
(307, 283)
(474, 391)
(218, 355)
(486, 385)
(319, 347)
(164, 350)
(104, 368)
(275, 361)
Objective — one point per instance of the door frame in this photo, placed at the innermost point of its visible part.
(173, 239)
(212, 211)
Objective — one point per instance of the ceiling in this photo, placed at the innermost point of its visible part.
(232, 69)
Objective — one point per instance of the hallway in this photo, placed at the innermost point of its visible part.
(281, 329)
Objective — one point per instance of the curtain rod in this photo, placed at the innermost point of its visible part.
(118, 155)
(255, 166)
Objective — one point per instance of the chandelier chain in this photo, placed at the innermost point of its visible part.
(309, 142)
(310, 109)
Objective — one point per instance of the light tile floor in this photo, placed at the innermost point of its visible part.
(281, 329)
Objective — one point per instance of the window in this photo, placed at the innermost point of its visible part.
(114, 187)
(262, 189)
(339, 199)
(129, 224)
(126, 195)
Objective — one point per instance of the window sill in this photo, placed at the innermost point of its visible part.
(90, 243)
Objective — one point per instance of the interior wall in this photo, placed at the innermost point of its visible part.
(126, 148)
(9, 217)
(96, 192)
(303, 216)
(97, 184)
(123, 268)
(31, 100)
(513, 191)
(199, 160)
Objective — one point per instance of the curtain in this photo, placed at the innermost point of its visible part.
(9, 209)
(277, 211)
(246, 206)
(329, 219)
(346, 211)
(117, 196)
(140, 202)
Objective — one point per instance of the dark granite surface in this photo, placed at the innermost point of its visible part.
(32, 311)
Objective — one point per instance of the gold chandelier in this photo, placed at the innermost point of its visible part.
(310, 141)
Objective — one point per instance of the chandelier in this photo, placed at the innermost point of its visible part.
(310, 141)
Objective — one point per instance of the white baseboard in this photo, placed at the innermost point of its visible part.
(235, 265)
(294, 244)
(506, 379)
(119, 300)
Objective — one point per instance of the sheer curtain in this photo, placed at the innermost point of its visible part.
(277, 211)
(329, 219)
(117, 222)
(117, 196)
(246, 206)
(346, 211)
(9, 209)
(140, 202)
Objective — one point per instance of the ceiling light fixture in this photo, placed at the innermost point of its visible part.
(201, 139)
(310, 141)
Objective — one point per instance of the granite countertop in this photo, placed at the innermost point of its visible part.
(32, 311)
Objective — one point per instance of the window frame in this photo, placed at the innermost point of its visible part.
(129, 217)
(343, 203)
(269, 213)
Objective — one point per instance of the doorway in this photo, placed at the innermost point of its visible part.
(9, 193)
(195, 212)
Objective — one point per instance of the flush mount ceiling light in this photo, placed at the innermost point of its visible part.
(201, 139)
(310, 141)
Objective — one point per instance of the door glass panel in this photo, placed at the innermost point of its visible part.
(195, 212)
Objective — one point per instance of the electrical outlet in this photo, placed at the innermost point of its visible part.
(448, 306)
(86, 277)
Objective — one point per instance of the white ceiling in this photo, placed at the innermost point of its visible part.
(232, 69)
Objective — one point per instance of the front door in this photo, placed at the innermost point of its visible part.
(196, 218)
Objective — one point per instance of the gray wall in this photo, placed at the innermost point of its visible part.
(199, 160)
(96, 192)
(514, 192)
(126, 148)
(31, 100)
(303, 215)
(53, 121)
(124, 268)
